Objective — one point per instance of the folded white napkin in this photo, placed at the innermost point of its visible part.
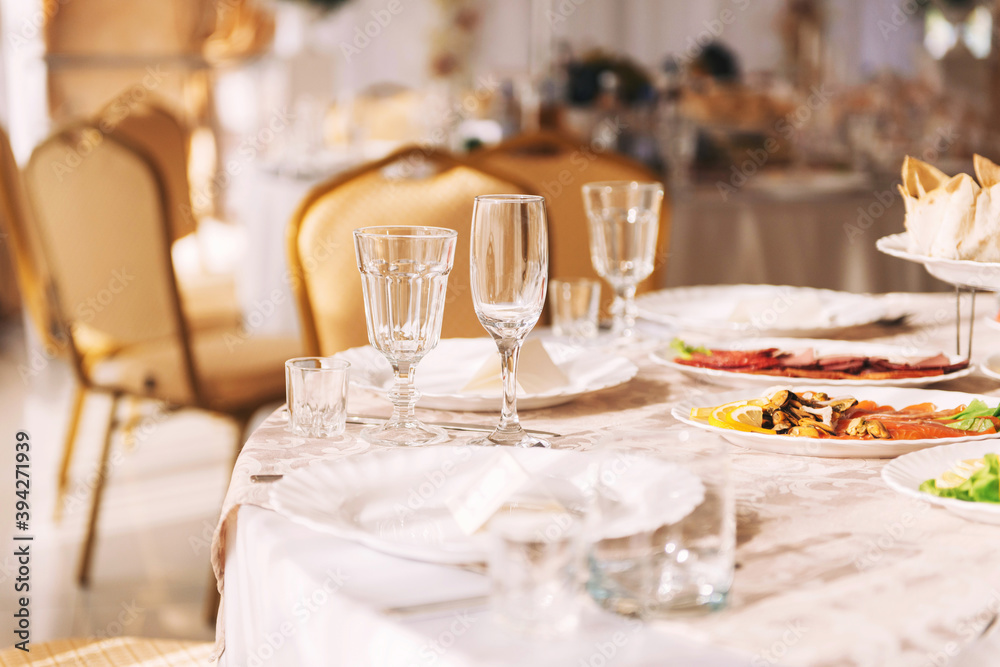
(536, 372)
(952, 217)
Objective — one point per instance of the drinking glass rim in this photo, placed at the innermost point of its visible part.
(510, 199)
(379, 231)
(339, 364)
(637, 185)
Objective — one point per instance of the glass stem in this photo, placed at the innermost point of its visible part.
(626, 298)
(404, 394)
(510, 349)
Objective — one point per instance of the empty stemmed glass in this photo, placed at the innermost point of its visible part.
(624, 218)
(404, 273)
(509, 270)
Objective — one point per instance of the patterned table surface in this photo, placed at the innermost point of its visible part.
(833, 567)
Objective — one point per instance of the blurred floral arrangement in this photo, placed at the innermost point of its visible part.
(584, 78)
(453, 40)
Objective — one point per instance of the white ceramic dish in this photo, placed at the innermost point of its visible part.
(666, 357)
(991, 367)
(777, 310)
(447, 368)
(908, 472)
(960, 272)
(897, 397)
(397, 501)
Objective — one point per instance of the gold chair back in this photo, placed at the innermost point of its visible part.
(101, 211)
(22, 241)
(557, 167)
(160, 135)
(414, 186)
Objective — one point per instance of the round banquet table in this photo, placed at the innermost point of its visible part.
(833, 567)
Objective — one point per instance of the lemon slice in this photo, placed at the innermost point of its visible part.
(749, 415)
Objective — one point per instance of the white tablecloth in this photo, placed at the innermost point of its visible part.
(322, 601)
(834, 568)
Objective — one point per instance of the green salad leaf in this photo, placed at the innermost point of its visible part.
(976, 408)
(973, 424)
(685, 351)
(982, 487)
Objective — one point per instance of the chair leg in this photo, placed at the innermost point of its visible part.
(83, 575)
(212, 597)
(128, 428)
(76, 410)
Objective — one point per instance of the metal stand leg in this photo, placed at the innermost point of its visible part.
(958, 321)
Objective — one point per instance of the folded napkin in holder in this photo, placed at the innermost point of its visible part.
(536, 372)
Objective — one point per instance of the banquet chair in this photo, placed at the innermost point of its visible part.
(103, 229)
(558, 167)
(110, 652)
(413, 186)
(20, 238)
(209, 298)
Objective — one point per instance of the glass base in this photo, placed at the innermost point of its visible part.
(404, 434)
(519, 438)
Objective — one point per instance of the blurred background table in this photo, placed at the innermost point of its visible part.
(786, 231)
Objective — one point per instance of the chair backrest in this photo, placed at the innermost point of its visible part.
(160, 135)
(558, 167)
(101, 210)
(21, 237)
(397, 190)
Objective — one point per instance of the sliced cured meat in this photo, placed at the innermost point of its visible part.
(805, 364)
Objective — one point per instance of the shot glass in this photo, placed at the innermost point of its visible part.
(316, 391)
(661, 534)
(534, 566)
(574, 305)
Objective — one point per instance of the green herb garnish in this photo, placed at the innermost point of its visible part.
(685, 351)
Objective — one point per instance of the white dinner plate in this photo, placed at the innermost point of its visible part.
(399, 501)
(991, 367)
(961, 272)
(895, 353)
(896, 397)
(908, 472)
(775, 310)
(448, 367)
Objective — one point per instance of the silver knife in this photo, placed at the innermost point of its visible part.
(452, 426)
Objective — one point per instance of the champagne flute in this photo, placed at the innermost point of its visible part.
(624, 219)
(509, 270)
(404, 274)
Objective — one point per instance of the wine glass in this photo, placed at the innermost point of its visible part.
(624, 219)
(404, 274)
(509, 271)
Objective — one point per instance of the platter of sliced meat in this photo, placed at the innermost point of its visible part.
(763, 361)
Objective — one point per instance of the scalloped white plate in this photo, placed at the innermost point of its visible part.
(447, 368)
(960, 272)
(396, 501)
(897, 397)
(908, 472)
(665, 356)
(711, 309)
